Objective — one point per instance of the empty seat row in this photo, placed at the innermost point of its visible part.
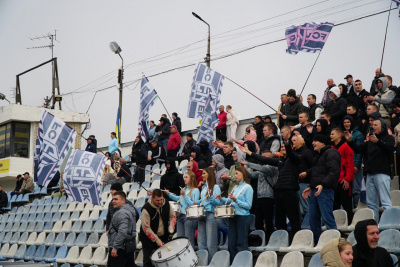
(86, 256)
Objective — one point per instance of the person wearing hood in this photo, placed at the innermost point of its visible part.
(383, 99)
(177, 122)
(378, 149)
(343, 91)
(190, 142)
(158, 222)
(232, 122)
(152, 132)
(322, 127)
(196, 155)
(206, 152)
(337, 253)
(366, 252)
(192, 166)
(229, 180)
(353, 113)
(348, 126)
(338, 106)
(163, 132)
(266, 177)
(219, 168)
(326, 100)
(346, 178)
(122, 227)
(374, 89)
(174, 142)
(250, 135)
(172, 180)
(292, 111)
(140, 156)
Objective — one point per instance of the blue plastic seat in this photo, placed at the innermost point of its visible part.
(6, 238)
(30, 252)
(47, 208)
(2, 226)
(25, 198)
(54, 200)
(19, 198)
(75, 215)
(11, 218)
(43, 191)
(390, 240)
(61, 254)
(107, 188)
(87, 227)
(39, 217)
(60, 239)
(15, 227)
(279, 238)
(40, 209)
(140, 203)
(93, 239)
(31, 227)
(39, 254)
(50, 253)
(15, 237)
(33, 209)
(25, 217)
(35, 202)
(306, 222)
(134, 186)
(4, 217)
(390, 219)
(316, 261)
(81, 240)
(41, 202)
(36, 191)
(76, 227)
(39, 227)
(56, 216)
(65, 265)
(66, 216)
(395, 260)
(62, 200)
(49, 239)
(146, 184)
(70, 240)
(14, 210)
(23, 238)
(155, 166)
(20, 210)
(23, 226)
(20, 252)
(99, 227)
(243, 259)
(103, 215)
(48, 217)
(55, 208)
(220, 259)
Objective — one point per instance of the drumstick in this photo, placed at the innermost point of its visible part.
(181, 196)
(168, 247)
(228, 197)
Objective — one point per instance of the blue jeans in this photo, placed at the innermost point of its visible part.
(237, 234)
(321, 207)
(358, 176)
(378, 189)
(207, 235)
(186, 228)
(164, 143)
(304, 203)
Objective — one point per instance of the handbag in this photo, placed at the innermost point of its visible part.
(130, 244)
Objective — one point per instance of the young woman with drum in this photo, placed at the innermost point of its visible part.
(189, 195)
(208, 226)
(241, 199)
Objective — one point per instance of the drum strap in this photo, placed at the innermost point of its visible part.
(241, 190)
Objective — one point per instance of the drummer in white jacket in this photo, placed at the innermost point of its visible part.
(241, 199)
(189, 195)
(231, 123)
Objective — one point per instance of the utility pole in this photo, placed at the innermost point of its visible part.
(208, 55)
(117, 50)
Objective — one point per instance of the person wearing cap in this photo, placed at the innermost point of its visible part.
(350, 83)
(324, 176)
(174, 142)
(190, 142)
(163, 132)
(378, 149)
(293, 111)
(221, 127)
(177, 122)
(326, 100)
(27, 184)
(337, 107)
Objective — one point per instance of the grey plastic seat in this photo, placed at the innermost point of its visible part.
(11, 252)
(39, 217)
(17, 218)
(340, 218)
(278, 239)
(8, 227)
(2, 226)
(63, 207)
(325, 237)
(24, 217)
(293, 259)
(47, 208)
(351, 239)
(81, 240)
(302, 240)
(55, 208)
(70, 240)
(7, 238)
(59, 241)
(31, 226)
(76, 227)
(32, 217)
(15, 227)
(61, 254)
(39, 227)
(48, 217)
(11, 218)
(65, 216)
(20, 252)
(390, 240)
(103, 242)
(360, 215)
(243, 259)
(20, 210)
(390, 219)
(14, 239)
(261, 234)
(316, 261)
(267, 258)
(2, 234)
(202, 255)
(92, 239)
(99, 227)
(23, 226)
(49, 239)
(56, 216)
(87, 227)
(39, 254)
(23, 238)
(33, 209)
(39, 209)
(75, 215)
(220, 259)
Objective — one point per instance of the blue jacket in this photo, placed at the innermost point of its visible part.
(152, 132)
(243, 202)
(211, 201)
(186, 200)
(263, 173)
(113, 146)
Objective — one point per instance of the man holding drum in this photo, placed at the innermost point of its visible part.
(158, 221)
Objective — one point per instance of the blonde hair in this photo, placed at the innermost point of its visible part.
(107, 169)
(192, 184)
(342, 244)
(300, 141)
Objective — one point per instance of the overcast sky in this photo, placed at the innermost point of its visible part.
(157, 36)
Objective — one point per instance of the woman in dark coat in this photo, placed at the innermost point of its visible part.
(139, 155)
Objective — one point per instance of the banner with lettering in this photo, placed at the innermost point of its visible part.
(82, 176)
(205, 81)
(148, 97)
(53, 141)
(209, 121)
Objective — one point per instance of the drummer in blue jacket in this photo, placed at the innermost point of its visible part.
(208, 227)
(241, 199)
(189, 195)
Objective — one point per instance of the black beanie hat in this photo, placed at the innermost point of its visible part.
(116, 187)
(321, 138)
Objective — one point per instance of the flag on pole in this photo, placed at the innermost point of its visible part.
(53, 141)
(82, 176)
(148, 96)
(118, 125)
(205, 82)
(209, 121)
(309, 37)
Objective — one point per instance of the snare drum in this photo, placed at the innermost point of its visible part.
(224, 211)
(195, 212)
(181, 255)
(176, 207)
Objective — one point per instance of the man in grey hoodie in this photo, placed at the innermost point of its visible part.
(383, 99)
(219, 168)
(123, 225)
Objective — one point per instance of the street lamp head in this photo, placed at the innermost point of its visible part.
(197, 16)
(115, 48)
(3, 97)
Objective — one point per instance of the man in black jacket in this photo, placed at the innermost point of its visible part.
(177, 122)
(3, 198)
(338, 107)
(163, 132)
(295, 107)
(190, 142)
(366, 252)
(378, 151)
(158, 154)
(90, 147)
(258, 126)
(324, 177)
(356, 97)
(172, 180)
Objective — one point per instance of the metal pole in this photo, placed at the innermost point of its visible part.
(121, 85)
(208, 48)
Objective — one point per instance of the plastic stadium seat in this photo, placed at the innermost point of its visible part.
(11, 218)
(99, 254)
(390, 219)
(243, 259)
(325, 237)
(139, 259)
(31, 239)
(340, 218)
(19, 209)
(395, 260)
(39, 227)
(48, 217)
(81, 240)
(80, 206)
(302, 240)
(8, 227)
(61, 254)
(89, 206)
(40, 239)
(39, 209)
(75, 215)
(84, 215)
(25, 217)
(2, 234)
(49, 239)
(390, 240)
(15, 227)
(220, 259)
(7, 238)
(23, 238)
(76, 227)
(103, 215)
(107, 188)
(86, 254)
(351, 239)
(267, 258)
(47, 208)
(41, 250)
(59, 241)
(4, 250)
(360, 215)
(278, 239)
(92, 239)
(202, 255)
(140, 203)
(22, 228)
(72, 206)
(48, 228)
(135, 186)
(65, 265)
(99, 227)
(100, 262)
(25, 198)
(4, 218)
(65, 216)
(155, 184)
(73, 253)
(2, 226)
(70, 240)
(63, 207)
(11, 252)
(30, 252)
(132, 194)
(94, 215)
(43, 191)
(66, 226)
(55, 208)
(20, 252)
(14, 239)
(56, 216)
(19, 198)
(39, 217)
(293, 259)
(31, 227)
(47, 201)
(35, 202)
(261, 234)
(32, 217)
(102, 242)
(316, 261)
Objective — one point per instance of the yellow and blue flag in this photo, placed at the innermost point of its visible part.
(118, 125)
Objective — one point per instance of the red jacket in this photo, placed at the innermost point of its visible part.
(174, 141)
(198, 173)
(347, 161)
(222, 120)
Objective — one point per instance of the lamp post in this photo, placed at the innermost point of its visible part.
(208, 55)
(117, 50)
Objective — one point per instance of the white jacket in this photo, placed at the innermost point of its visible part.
(231, 118)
